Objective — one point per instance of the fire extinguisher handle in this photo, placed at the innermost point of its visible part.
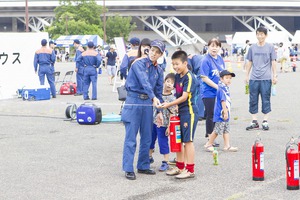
(286, 158)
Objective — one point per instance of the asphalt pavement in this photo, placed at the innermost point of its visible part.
(45, 156)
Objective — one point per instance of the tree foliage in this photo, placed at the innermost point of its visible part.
(118, 26)
(83, 17)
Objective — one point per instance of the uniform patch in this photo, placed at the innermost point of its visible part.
(185, 124)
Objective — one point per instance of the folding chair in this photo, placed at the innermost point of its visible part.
(56, 79)
(68, 77)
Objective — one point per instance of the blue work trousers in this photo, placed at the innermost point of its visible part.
(90, 75)
(49, 72)
(137, 116)
(200, 103)
(79, 80)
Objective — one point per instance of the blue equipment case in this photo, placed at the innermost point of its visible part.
(36, 94)
(89, 113)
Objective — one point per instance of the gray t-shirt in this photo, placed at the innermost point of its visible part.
(261, 57)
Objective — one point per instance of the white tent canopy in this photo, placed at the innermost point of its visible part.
(67, 40)
(296, 39)
(274, 37)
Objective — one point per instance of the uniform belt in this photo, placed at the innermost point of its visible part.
(137, 95)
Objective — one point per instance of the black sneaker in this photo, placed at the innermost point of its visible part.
(252, 126)
(265, 126)
(151, 159)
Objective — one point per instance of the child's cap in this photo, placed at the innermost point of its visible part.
(226, 72)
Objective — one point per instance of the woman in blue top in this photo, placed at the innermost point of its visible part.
(211, 65)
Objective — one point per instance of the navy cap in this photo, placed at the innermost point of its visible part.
(226, 72)
(52, 42)
(135, 41)
(159, 44)
(43, 42)
(76, 41)
(90, 44)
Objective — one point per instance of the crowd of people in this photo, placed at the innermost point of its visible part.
(87, 62)
(203, 77)
(199, 89)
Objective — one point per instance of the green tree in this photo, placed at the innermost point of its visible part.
(76, 18)
(118, 26)
(83, 17)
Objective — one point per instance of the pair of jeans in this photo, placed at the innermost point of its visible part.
(262, 88)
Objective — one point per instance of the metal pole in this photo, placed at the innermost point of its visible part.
(104, 22)
(26, 15)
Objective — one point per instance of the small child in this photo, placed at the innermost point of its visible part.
(161, 132)
(222, 113)
(186, 91)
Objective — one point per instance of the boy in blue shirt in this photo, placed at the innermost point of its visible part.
(222, 113)
(186, 86)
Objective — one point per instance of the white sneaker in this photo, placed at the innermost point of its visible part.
(185, 174)
(173, 171)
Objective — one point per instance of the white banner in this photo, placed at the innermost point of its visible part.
(228, 39)
(16, 61)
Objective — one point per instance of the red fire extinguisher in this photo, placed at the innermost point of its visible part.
(258, 160)
(175, 134)
(299, 151)
(292, 166)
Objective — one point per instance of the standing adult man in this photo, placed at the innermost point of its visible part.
(111, 63)
(144, 87)
(44, 58)
(91, 61)
(79, 67)
(261, 59)
(129, 57)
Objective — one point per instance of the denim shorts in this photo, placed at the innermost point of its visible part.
(260, 88)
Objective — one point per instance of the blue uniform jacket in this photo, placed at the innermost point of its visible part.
(90, 58)
(127, 59)
(79, 51)
(145, 78)
(44, 57)
(195, 63)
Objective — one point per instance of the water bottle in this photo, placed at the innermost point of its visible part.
(216, 156)
(273, 89)
(100, 70)
(247, 88)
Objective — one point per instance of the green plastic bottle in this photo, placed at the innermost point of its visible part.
(216, 156)
(247, 88)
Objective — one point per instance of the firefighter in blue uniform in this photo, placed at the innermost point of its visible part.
(144, 87)
(79, 68)
(129, 57)
(91, 60)
(45, 59)
(195, 62)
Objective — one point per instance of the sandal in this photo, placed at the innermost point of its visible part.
(231, 149)
(209, 148)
